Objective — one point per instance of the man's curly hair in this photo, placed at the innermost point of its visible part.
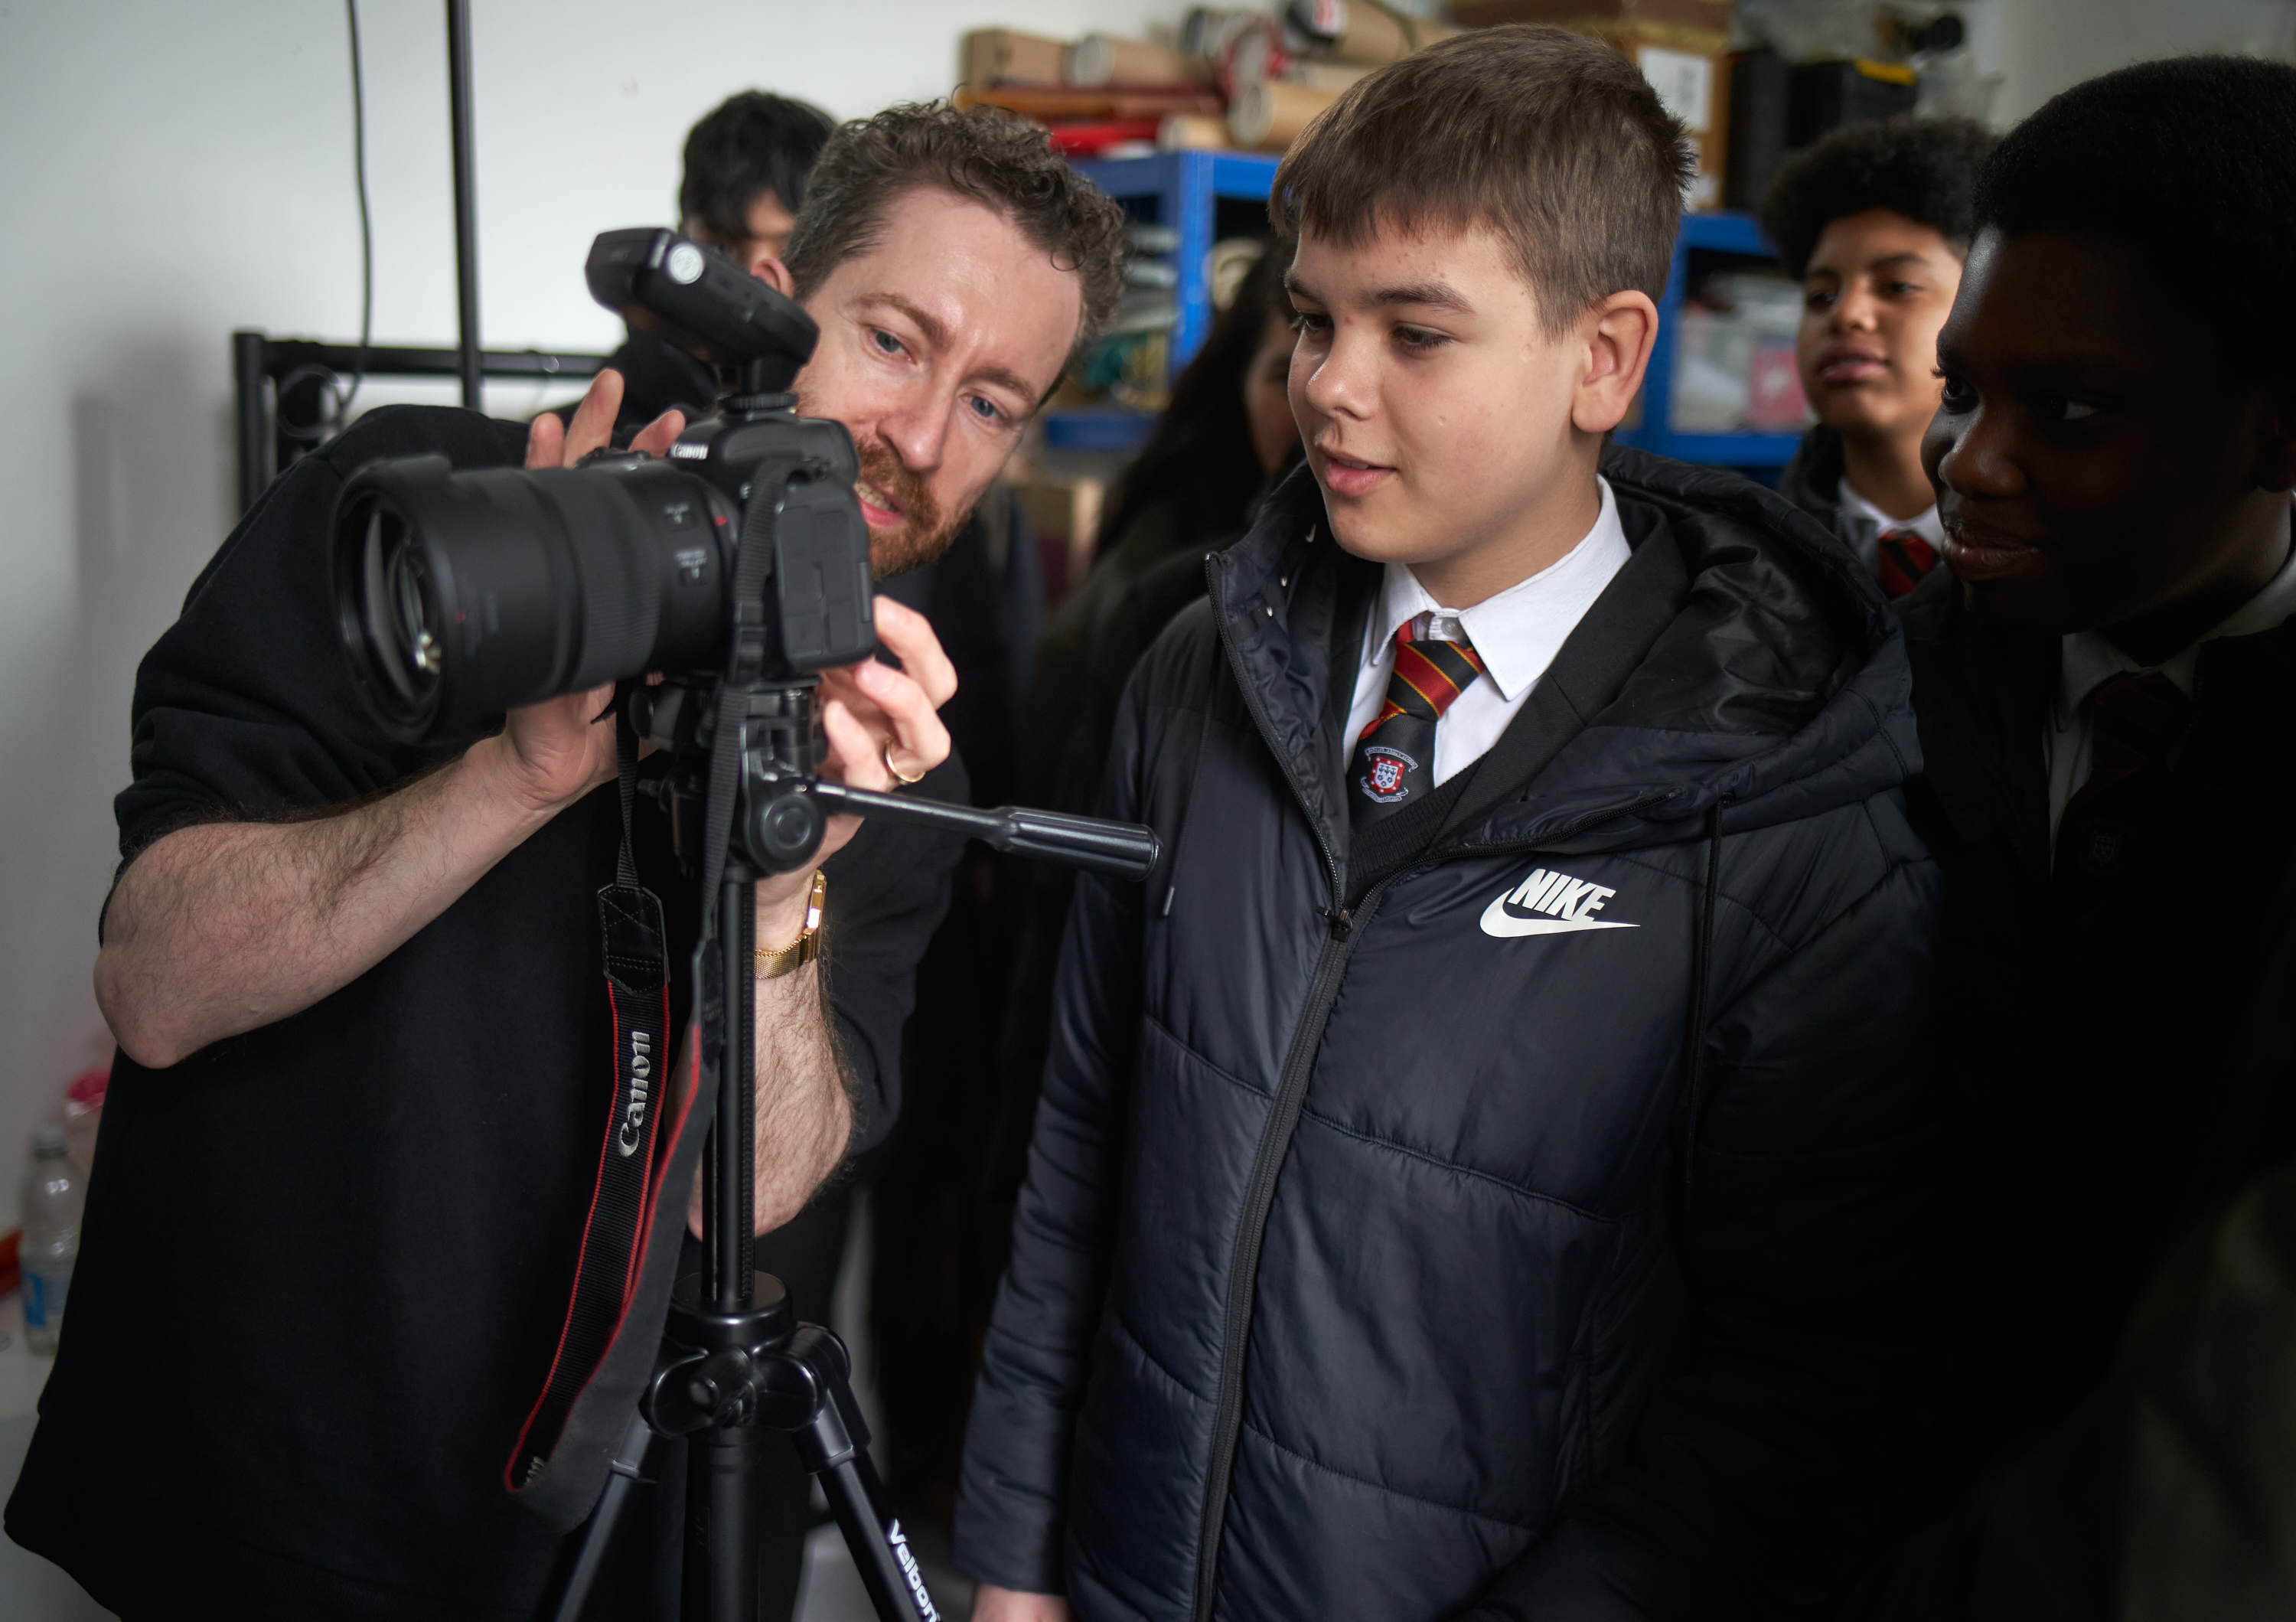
(993, 158)
(1923, 169)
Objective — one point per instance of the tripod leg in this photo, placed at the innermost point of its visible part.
(880, 1549)
(721, 1513)
(625, 1475)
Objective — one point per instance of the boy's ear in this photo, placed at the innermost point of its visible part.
(1617, 334)
(2275, 448)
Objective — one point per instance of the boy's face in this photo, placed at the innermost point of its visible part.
(1449, 428)
(1876, 291)
(2097, 464)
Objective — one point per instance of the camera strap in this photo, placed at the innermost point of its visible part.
(629, 1168)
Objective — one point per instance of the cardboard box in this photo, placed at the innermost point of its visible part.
(1005, 56)
(1690, 69)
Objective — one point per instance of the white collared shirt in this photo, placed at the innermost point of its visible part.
(2089, 660)
(1515, 633)
(1864, 536)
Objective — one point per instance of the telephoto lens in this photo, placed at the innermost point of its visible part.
(462, 595)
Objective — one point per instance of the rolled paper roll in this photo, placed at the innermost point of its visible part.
(1333, 77)
(1359, 31)
(1102, 59)
(1255, 55)
(1267, 117)
(1184, 132)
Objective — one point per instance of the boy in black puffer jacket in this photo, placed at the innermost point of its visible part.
(1471, 1174)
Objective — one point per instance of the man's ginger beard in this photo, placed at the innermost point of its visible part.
(924, 534)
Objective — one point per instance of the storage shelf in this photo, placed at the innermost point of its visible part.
(1716, 233)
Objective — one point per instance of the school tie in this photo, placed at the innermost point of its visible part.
(1905, 557)
(2137, 719)
(1394, 761)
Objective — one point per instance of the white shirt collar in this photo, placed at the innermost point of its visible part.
(1928, 525)
(2090, 658)
(1516, 632)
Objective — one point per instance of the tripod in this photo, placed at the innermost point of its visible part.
(735, 1365)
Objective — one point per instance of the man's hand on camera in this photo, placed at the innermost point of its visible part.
(554, 753)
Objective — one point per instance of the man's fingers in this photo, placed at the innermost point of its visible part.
(854, 748)
(919, 741)
(657, 437)
(908, 636)
(594, 420)
(545, 441)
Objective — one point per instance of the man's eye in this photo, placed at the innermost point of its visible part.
(1419, 340)
(1819, 298)
(1958, 396)
(987, 409)
(2058, 408)
(1304, 322)
(887, 344)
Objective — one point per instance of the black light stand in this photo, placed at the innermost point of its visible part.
(735, 1364)
(466, 200)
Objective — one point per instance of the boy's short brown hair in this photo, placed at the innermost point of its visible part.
(1555, 140)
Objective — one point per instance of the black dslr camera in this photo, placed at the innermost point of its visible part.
(739, 567)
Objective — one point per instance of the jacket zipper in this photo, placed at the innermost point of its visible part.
(1284, 1118)
(1259, 1198)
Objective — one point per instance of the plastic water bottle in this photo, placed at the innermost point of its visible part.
(53, 1195)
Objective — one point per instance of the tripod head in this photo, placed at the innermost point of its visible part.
(784, 806)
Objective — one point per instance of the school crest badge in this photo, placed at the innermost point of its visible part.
(1386, 773)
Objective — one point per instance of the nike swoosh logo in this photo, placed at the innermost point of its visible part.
(1497, 921)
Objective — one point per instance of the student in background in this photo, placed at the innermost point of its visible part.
(1472, 1175)
(746, 164)
(1873, 220)
(2106, 686)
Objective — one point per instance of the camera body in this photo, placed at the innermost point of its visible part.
(461, 595)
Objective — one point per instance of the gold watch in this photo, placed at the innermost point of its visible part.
(774, 962)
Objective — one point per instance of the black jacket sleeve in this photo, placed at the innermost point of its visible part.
(1759, 1476)
(245, 707)
(1013, 1493)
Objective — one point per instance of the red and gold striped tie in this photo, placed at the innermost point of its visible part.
(1395, 757)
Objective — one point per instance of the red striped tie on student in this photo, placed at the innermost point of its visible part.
(1395, 757)
(1904, 558)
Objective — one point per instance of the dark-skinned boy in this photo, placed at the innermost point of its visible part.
(2107, 699)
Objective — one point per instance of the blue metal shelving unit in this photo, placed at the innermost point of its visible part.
(1716, 233)
(1185, 189)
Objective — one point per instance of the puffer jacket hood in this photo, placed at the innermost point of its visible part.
(1513, 1225)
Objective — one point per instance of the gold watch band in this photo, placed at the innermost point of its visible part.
(774, 962)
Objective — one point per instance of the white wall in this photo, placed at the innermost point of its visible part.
(2048, 45)
(169, 172)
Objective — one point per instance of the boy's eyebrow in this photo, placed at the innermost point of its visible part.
(1435, 293)
(1421, 292)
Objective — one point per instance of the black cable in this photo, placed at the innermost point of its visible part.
(366, 224)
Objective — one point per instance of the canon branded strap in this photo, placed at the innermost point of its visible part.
(633, 1155)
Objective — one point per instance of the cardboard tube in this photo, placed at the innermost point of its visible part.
(1267, 117)
(1183, 131)
(1102, 59)
(1359, 31)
